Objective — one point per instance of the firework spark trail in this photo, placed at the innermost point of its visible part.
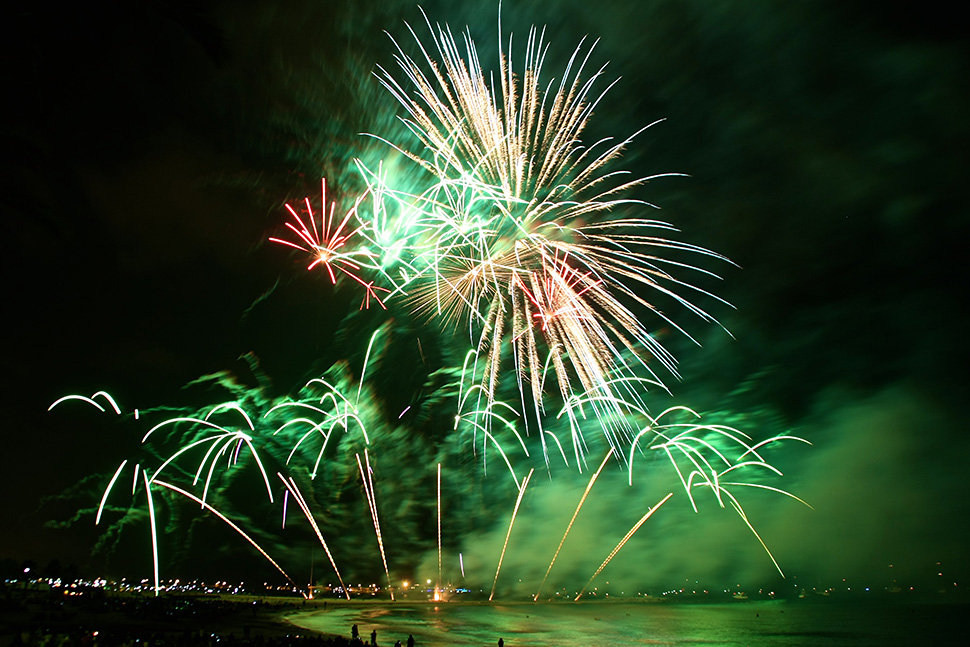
(515, 510)
(702, 453)
(623, 541)
(482, 417)
(720, 487)
(368, 482)
(342, 411)
(149, 503)
(286, 500)
(90, 400)
(151, 519)
(439, 527)
(298, 497)
(220, 443)
(330, 422)
(231, 525)
(569, 526)
(107, 490)
(575, 412)
(326, 245)
(363, 369)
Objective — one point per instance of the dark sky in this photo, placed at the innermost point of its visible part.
(148, 149)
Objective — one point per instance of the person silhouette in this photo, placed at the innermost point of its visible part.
(410, 640)
(354, 633)
(373, 637)
(501, 643)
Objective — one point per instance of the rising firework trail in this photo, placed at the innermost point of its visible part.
(438, 587)
(505, 545)
(569, 526)
(623, 541)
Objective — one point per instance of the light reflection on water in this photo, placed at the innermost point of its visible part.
(779, 623)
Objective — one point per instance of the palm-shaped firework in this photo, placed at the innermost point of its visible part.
(220, 441)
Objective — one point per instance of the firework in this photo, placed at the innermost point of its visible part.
(223, 442)
(524, 232)
(526, 237)
(134, 482)
(716, 457)
(330, 244)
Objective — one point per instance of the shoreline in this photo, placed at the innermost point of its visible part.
(36, 618)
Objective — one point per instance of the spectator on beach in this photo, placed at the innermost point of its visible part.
(397, 644)
(501, 643)
(373, 637)
(410, 640)
(355, 634)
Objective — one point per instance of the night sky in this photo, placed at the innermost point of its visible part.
(148, 149)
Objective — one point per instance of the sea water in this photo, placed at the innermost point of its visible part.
(598, 624)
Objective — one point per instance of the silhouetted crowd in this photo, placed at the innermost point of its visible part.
(130, 637)
(52, 619)
(96, 619)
